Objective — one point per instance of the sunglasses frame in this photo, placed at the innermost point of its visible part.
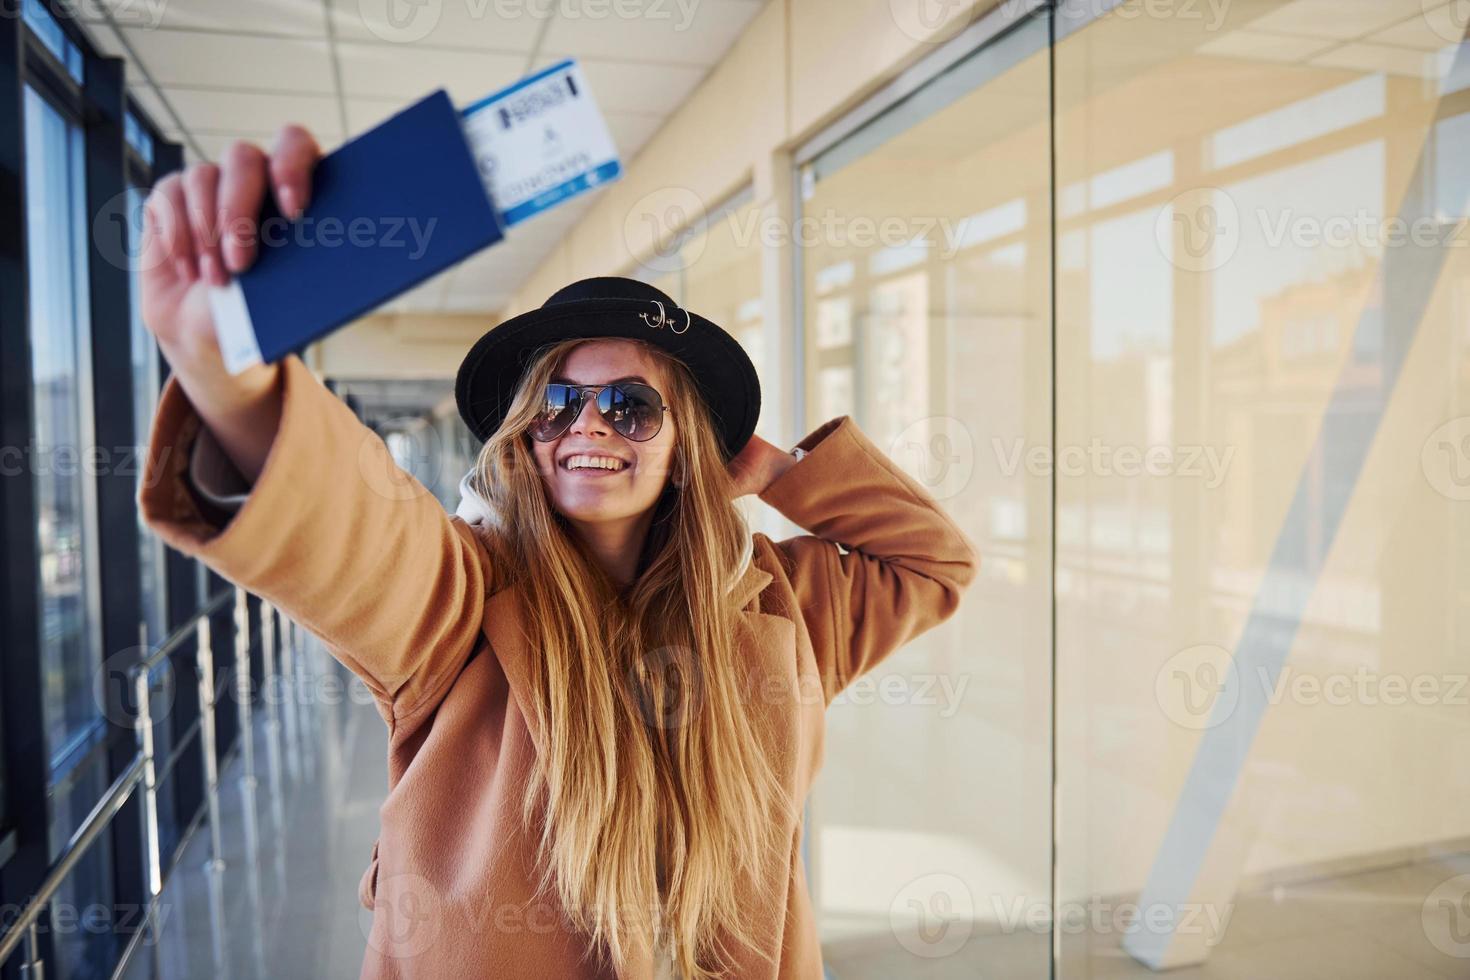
(581, 395)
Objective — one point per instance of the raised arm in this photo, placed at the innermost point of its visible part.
(335, 534)
(907, 565)
(331, 530)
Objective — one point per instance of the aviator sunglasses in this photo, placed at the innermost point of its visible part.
(635, 411)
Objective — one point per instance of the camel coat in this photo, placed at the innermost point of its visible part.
(405, 595)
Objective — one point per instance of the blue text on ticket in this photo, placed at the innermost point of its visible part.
(540, 141)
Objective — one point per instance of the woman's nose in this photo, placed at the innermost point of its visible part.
(589, 419)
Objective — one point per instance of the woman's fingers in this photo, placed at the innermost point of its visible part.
(201, 186)
(241, 190)
(167, 205)
(292, 161)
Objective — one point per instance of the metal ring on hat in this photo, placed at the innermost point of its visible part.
(662, 317)
(686, 323)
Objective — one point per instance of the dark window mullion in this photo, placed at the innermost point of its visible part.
(23, 757)
(109, 283)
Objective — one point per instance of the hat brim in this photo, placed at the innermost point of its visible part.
(493, 368)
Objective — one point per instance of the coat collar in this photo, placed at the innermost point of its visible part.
(750, 585)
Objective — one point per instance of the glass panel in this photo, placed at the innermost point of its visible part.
(146, 383)
(1264, 391)
(45, 27)
(151, 557)
(138, 138)
(719, 272)
(67, 519)
(722, 282)
(926, 278)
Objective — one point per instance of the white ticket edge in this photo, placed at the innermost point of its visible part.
(233, 327)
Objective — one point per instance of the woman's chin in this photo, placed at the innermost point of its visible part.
(592, 507)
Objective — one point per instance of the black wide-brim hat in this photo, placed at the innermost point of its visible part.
(610, 306)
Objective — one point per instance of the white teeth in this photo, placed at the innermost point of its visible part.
(581, 462)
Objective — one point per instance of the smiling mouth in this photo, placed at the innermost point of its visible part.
(585, 466)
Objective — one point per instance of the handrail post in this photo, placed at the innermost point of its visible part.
(205, 659)
(289, 691)
(32, 968)
(143, 727)
(243, 683)
(270, 683)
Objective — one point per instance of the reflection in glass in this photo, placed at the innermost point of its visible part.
(927, 318)
(1258, 543)
(75, 733)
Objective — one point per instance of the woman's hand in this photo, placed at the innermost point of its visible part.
(758, 465)
(200, 226)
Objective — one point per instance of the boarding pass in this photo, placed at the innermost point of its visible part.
(540, 141)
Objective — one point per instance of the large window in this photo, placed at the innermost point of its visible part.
(1172, 317)
(152, 563)
(146, 384)
(69, 592)
(1261, 590)
(714, 267)
(925, 283)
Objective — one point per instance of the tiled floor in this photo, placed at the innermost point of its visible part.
(296, 842)
(1368, 926)
(294, 845)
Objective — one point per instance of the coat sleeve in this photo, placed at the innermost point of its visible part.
(336, 535)
(906, 564)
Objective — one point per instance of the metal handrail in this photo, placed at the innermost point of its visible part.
(81, 841)
(184, 631)
(144, 770)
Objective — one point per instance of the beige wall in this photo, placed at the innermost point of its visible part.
(798, 66)
(400, 345)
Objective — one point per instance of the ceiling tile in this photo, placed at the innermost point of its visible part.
(1254, 46)
(407, 72)
(625, 86)
(489, 25)
(487, 303)
(293, 17)
(223, 60)
(1331, 18)
(214, 144)
(1429, 31)
(498, 264)
(255, 111)
(630, 130)
(427, 297)
(688, 32)
(1379, 58)
(147, 98)
(364, 114)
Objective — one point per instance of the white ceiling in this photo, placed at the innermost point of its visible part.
(213, 71)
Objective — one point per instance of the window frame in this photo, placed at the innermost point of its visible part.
(100, 107)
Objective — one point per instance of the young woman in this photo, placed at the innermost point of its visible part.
(605, 695)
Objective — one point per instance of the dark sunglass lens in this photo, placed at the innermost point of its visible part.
(633, 410)
(557, 411)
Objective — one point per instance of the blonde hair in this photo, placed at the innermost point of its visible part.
(659, 791)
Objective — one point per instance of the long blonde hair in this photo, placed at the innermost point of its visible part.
(652, 770)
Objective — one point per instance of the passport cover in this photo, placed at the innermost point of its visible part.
(388, 209)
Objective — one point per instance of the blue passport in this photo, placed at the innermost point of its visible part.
(398, 204)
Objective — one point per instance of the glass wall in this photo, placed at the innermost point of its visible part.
(926, 277)
(1262, 290)
(1197, 275)
(152, 568)
(69, 596)
(714, 267)
(146, 385)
